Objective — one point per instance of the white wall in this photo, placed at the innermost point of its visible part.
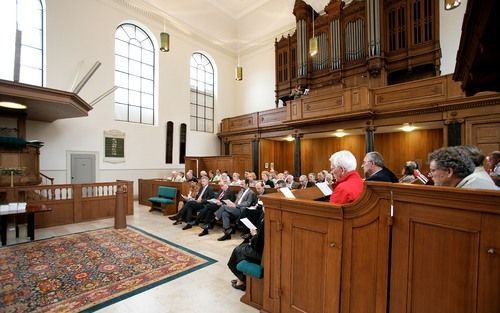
(83, 30)
(450, 30)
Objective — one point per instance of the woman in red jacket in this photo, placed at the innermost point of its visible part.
(348, 184)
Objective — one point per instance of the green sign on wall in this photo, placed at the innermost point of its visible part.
(114, 147)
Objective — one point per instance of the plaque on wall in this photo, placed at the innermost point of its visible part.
(114, 146)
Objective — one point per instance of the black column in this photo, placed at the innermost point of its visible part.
(454, 133)
(226, 147)
(255, 156)
(296, 156)
(370, 139)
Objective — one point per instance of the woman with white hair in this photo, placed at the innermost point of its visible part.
(348, 184)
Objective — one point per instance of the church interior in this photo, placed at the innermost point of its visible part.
(102, 100)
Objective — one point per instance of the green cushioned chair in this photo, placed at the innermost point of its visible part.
(250, 269)
(166, 196)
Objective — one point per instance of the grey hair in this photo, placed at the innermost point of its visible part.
(376, 158)
(344, 159)
(474, 154)
(454, 158)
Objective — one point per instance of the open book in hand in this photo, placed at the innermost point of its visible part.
(325, 189)
(247, 223)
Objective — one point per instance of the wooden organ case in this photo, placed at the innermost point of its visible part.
(373, 43)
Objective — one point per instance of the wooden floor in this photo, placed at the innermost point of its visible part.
(205, 291)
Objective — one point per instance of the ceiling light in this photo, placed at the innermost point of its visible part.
(289, 138)
(164, 42)
(408, 127)
(339, 133)
(451, 4)
(12, 105)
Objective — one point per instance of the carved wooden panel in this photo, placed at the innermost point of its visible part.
(489, 265)
(410, 95)
(435, 260)
(241, 148)
(485, 135)
(242, 122)
(271, 118)
(306, 264)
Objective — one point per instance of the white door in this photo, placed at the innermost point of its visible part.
(82, 168)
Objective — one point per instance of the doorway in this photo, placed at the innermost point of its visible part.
(83, 168)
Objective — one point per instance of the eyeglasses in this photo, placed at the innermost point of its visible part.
(365, 162)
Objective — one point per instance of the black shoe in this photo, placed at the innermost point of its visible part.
(188, 226)
(225, 237)
(203, 233)
(177, 222)
(173, 217)
(234, 281)
(241, 287)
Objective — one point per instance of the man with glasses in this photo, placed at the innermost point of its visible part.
(373, 165)
(348, 184)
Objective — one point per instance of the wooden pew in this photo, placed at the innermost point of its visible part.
(399, 248)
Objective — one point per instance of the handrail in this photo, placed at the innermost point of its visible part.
(51, 179)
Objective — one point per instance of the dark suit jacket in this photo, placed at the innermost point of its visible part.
(383, 175)
(208, 194)
(228, 195)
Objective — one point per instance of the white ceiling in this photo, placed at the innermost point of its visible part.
(235, 25)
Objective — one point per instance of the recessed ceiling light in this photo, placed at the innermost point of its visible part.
(339, 133)
(12, 105)
(408, 127)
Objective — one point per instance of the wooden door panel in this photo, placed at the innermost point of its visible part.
(489, 265)
(443, 269)
(306, 264)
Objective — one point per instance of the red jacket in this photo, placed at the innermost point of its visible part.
(347, 189)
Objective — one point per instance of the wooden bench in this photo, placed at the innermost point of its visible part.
(166, 200)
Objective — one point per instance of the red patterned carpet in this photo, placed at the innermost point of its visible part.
(90, 270)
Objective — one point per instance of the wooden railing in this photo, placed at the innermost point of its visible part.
(71, 203)
(46, 179)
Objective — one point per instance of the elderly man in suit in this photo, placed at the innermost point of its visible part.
(373, 165)
(232, 211)
(193, 206)
(206, 215)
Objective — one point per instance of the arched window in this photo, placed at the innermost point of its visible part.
(21, 55)
(202, 93)
(134, 75)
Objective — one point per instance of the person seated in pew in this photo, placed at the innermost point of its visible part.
(494, 166)
(280, 183)
(449, 166)
(253, 213)
(193, 191)
(206, 214)
(311, 177)
(192, 206)
(304, 182)
(249, 250)
(348, 184)
(266, 179)
(373, 166)
(291, 183)
(320, 177)
(190, 177)
(329, 179)
(180, 177)
(232, 211)
(407, 172)
(236, 179)
(479, 178)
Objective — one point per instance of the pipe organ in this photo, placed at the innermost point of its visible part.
(366, 42)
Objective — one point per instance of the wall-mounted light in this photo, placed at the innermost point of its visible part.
(408, 127)
(339, 133)
(289, 138)
(12, 105)
(451, 4)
